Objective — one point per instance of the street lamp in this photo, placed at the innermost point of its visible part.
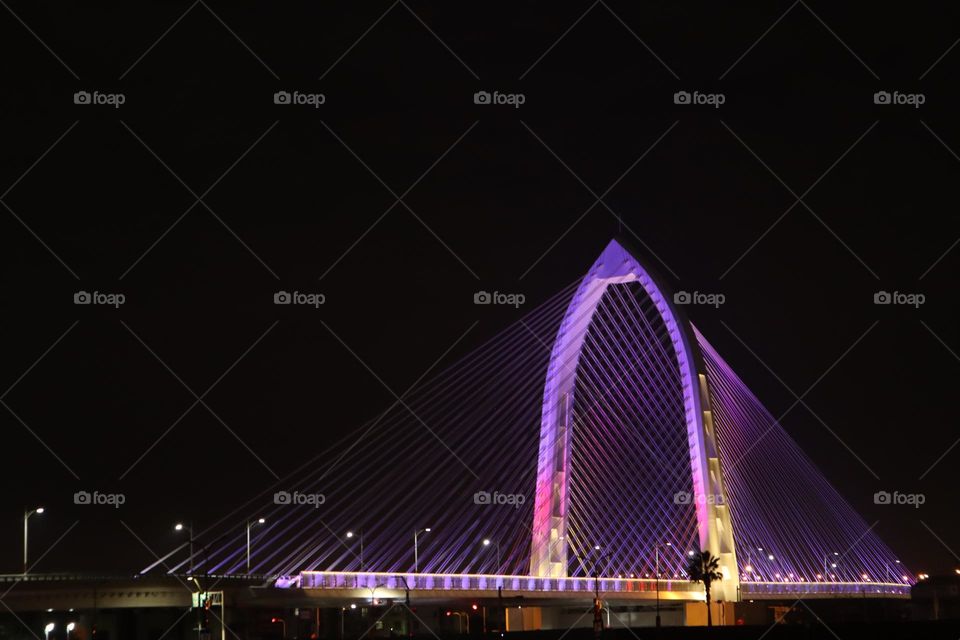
(351, 534)
(250, 523)
(70, 627)
(282, 622)
(189, 527)
(416, 548)
(832, 564)
(487, 542)
(26, 516)
(656, 553)
(47, 630)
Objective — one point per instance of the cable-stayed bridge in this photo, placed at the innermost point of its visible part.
(592, 445)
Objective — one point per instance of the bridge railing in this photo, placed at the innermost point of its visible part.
(480, 582)
(759, 588)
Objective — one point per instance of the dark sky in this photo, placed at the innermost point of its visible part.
(488, 191)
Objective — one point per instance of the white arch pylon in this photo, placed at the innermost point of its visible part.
(549, 547)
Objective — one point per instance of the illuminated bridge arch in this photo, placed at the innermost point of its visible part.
(550, 546)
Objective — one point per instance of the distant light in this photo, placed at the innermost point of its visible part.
(690, 553)
(905, 578)
(349, 534)
(47, 629)
(178, 527)
(749, 568)
(71, 626)
(770, 557)
(865, 577)
(759, 548)
(262, 520)
(896, 562)
(49, 610)
(353, 606)
(427, 529)
(449, 613)
(474, 606)
(486, 542)
(833, 564)
(669, 544)
(39, 509)
(819, 577)
(596, 547)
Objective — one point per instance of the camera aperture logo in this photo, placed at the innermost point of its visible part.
(299, 499)
(96, 498)
(309, 299)
(711, 299)
(897, 98)
(297, 98)
(697, 98)
(97, 98)
(496, 498)
(685, 497)
(897, 297)
(109, 299)
(512, 299)
(512, 99)
(896, 498)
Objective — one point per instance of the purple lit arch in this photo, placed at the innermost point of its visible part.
(550, 548)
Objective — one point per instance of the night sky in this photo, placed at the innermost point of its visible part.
(798, 199)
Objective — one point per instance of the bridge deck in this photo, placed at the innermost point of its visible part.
(387, 585)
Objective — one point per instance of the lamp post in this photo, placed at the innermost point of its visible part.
(487, 542)
(70, 627)
(189, 527)
(656, 553)
(282, 622)
(416, 548)
(351, 534)
(832, 564)
(250, 523)
(47, 630)
(26, 517)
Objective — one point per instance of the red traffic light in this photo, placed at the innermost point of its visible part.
(273, 620)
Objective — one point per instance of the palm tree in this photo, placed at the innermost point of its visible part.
(705, 568)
